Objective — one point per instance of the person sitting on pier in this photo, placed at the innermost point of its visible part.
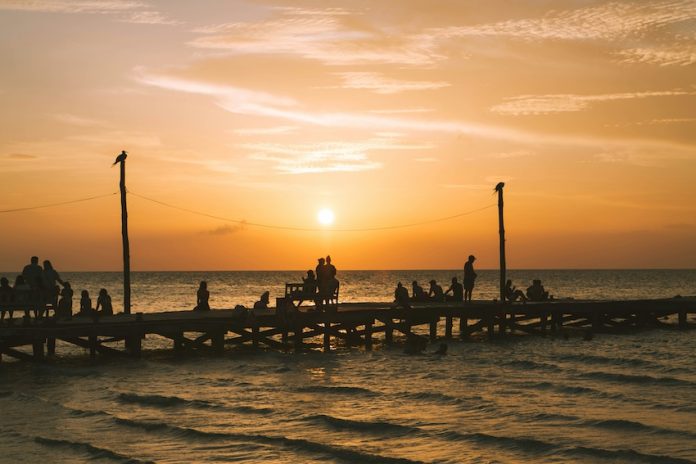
(263, 301)
(513, 293)
(401, 297)
(418, 292)
(6, 297)
(64, 310)
(86, 309)
(104, 302)
(435, 293)
(536, 291)
(309, 283)
(202, 297)
(457, 291)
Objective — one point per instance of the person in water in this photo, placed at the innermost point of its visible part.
(435, 293)
(263, 301)
(418, 294)
(104, 302)
(512, 293)
(457, 291)
(401, 296)
(469, 278)
(202, 297)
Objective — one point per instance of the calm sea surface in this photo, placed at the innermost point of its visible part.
(619, 398)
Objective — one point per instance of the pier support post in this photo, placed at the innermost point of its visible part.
(543, 322)
(179, 341)
(218, 342)
(388, 333)
(255, 335)
(448, 327)
(597, 321)
(93, 346)
(38, 349)
(51, 346)
(298, 337)
(368, 335)
(134, 345)
(490, 322)
(683, 324)
(556, 321)
(327, 335)
(433, 331)
(463, 327)
(502, 323)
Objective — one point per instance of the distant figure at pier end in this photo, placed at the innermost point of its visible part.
(469, 278)
(202, 297)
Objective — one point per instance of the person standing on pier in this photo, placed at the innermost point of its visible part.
(50, 277)
(332, 281)
(321, 272)
(469, 278)
(32, 272)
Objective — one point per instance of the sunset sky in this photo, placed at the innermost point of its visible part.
(386, 112)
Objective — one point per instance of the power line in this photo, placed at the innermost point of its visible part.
(50, 205)
(308, 229)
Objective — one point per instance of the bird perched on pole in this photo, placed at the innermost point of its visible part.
(119, 158)
(497, 188)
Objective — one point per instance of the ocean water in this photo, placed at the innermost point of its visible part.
(617, 398)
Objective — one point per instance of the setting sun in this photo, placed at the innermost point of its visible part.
(325, 217)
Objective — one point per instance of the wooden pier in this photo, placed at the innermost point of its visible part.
(350, 323)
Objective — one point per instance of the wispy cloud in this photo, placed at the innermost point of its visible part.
(558, 103)
(321, 34)
(325, 157)
(149, 17)
(120, 138)
(277, 130)
(403, 111)
(378, 83)
(609, 21)
(228, 229)
(71, 6)
(21, 156)
(683, 54)
(80, 121)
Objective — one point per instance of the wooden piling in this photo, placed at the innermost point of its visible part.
(93, 346)
(51, 346)
(490, 322)
(433, 331)
(38, 348)
(683, 324)
(121, 159)
(298, 337)
(448, 327)
(368, 335)
(255, 335)
(327, 335)
(218, 341)
(463, 327)
(501, 232)
(388, 333)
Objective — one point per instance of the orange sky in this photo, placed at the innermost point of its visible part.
(386, 112)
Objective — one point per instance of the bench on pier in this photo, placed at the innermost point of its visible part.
(25, 308)
(295, 293)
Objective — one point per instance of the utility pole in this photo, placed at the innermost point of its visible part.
(501, 231)
(124, 234)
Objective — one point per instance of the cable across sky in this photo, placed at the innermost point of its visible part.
(255, 224)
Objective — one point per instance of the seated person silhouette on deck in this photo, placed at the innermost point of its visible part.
(309, 283)
(536, 291)
(513, 293)
(39, 293)
(263, 301)
(6, 297)
(457, 291)
(202, 297)
(435, 293)
(104, 302)
(401, 296)
(418, 294)
(22, 295)
(85, 305)
(64, 310)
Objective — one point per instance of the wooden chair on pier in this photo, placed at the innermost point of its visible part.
(295, 295)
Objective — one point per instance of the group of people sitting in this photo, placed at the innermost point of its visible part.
(38, 289)
(435, 293)
(535, 292)
(321, 284)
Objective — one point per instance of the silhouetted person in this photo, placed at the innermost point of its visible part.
(6, 298)
(32, 271)
(50, 278)
(513, 293)
(39, 293)
(435, 293)
(332, 281)
(322, 280)
(104, 302)
(457, 291)
(65, 303)
(263, 301)
(309, 283)
(469, 278)
(418, 294)
(85, 305)
(536, 291)
(401, 296)
(202, 297)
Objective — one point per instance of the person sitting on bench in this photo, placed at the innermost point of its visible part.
(513, 293)
(436, 294)
(263, 301)
(401, 296)
(457, 291)
(418, 293)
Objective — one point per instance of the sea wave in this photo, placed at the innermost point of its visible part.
(92, 451)
(162, 401)
(295, 444)
(380, 427)
(337, 389)
(636, 379)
